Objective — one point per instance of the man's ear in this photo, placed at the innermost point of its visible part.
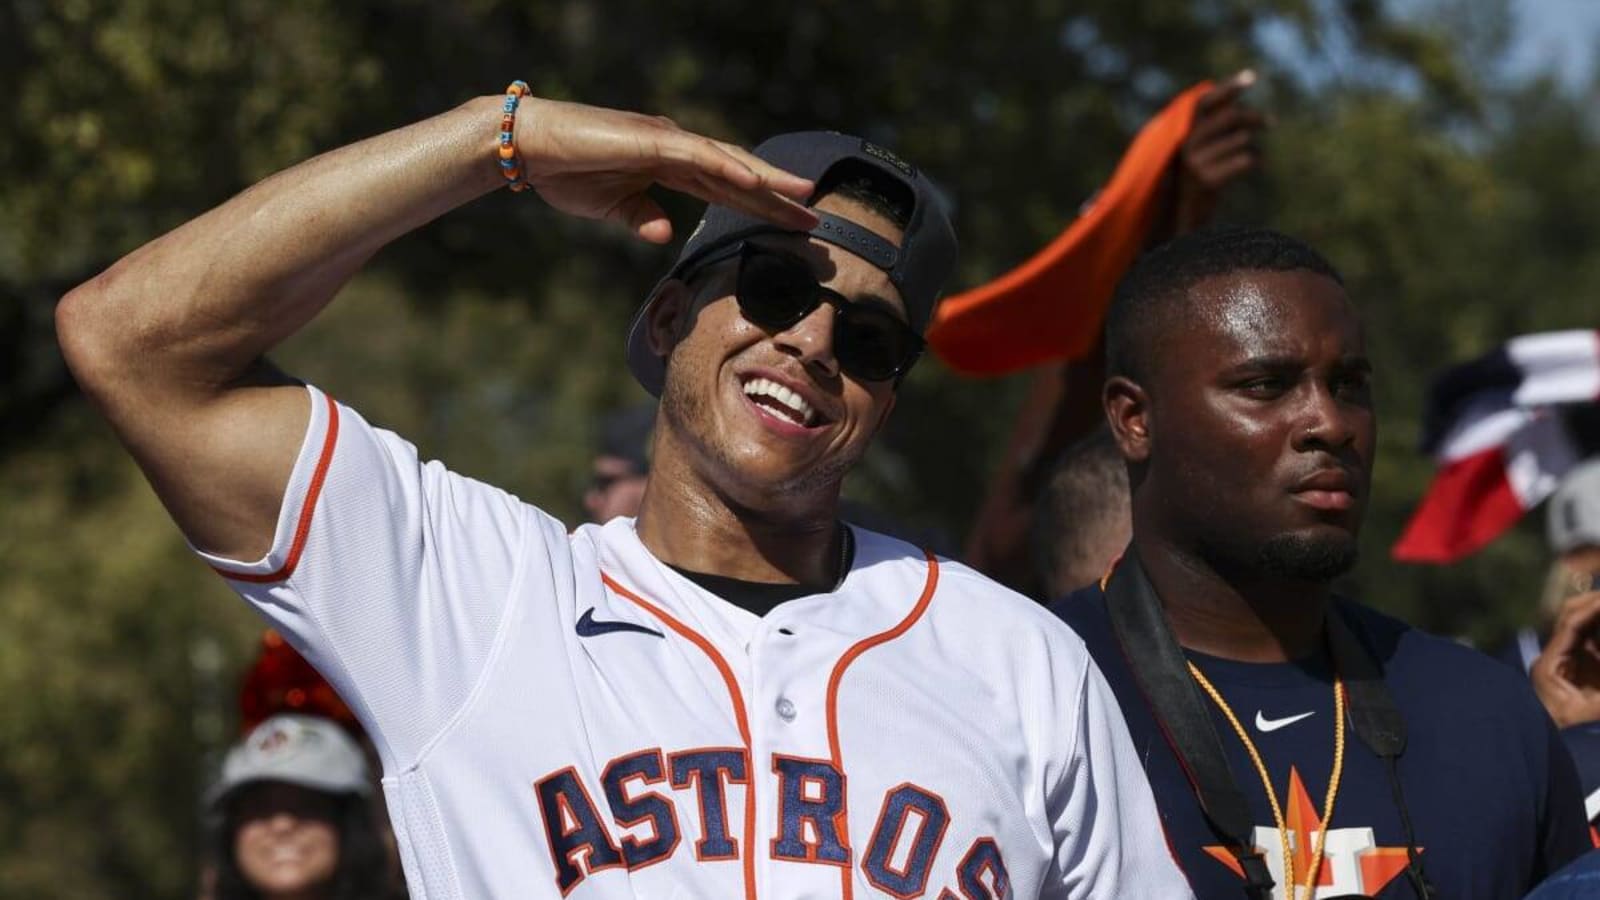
(668, 318)
(1127, 408)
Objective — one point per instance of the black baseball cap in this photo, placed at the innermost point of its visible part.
(919, 267)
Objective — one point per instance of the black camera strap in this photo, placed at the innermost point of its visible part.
(1162, 674)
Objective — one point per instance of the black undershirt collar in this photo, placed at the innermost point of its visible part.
(760, 597)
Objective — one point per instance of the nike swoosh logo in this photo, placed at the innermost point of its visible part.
(588, 627)
(1264, 724)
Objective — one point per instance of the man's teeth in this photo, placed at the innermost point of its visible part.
(790, 404)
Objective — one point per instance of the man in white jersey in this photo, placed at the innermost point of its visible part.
(733, 695)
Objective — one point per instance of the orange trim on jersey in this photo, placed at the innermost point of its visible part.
(303, 527)
(844, 662)
(743, 721)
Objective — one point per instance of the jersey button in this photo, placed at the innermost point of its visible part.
(785, 709)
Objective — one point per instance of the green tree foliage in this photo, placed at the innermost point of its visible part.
(1460, 208)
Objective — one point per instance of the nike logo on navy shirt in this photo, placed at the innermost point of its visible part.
(1265, 725)
(588, 627)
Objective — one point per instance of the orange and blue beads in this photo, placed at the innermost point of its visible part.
(510, 163)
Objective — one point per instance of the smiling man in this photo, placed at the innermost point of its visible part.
(1299, 744)
(733, 695)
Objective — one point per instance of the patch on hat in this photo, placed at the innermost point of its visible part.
(282, 739)
(886, 155)
(308, 751)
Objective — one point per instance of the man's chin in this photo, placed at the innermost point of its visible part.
(1308, 557)
(752, 468)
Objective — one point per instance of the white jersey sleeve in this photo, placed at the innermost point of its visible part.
(1103, 813)
(391, 575)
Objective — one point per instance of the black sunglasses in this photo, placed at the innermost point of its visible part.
(602, 483)
(776, 290)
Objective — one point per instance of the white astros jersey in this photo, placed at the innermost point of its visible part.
(565, 716)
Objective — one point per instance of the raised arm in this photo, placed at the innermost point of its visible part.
(169, 343)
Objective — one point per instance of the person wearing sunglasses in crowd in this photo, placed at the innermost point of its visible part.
(1299, 744)
(733, 694)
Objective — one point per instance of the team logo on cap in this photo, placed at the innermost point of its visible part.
(282, 739)
(880, 153)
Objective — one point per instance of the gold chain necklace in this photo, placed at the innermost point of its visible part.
(1272, 795)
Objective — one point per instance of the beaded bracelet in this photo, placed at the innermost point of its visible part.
(510, 163)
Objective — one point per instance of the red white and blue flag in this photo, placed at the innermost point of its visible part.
(1504, 429)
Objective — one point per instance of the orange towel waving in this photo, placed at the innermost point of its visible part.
(1052, 306)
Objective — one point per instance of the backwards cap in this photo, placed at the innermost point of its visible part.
(919, 267)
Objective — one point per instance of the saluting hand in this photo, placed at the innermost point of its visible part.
(598, 163)
(1566, 676)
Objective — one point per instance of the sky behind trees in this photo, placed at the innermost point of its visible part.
(1560, 36)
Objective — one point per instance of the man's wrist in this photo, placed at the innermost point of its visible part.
(481, 116)
(527, 135)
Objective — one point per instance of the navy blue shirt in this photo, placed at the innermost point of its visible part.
(1492, 794)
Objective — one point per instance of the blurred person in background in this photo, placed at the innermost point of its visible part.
(1566, 670)
(621, 465)
(293, 820)
(279, 681)
(282, 681)
(1572, 531)
(1082, 520)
